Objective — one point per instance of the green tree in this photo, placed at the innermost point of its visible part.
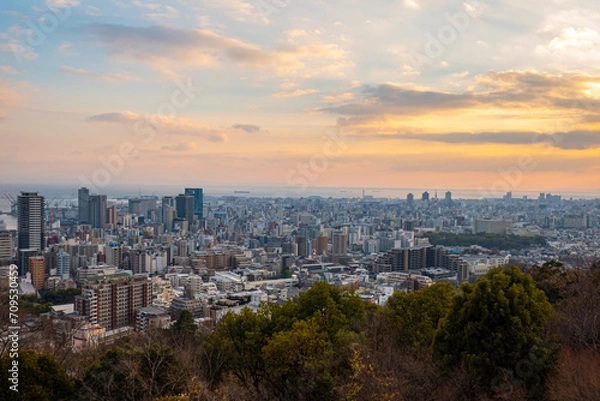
(298, 363)
(334, 309)
(185, 323)
(418, 315)
(40, 378)
(494, 329)
(243, 337)
(555, 280)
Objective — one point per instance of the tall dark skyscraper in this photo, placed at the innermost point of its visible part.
(98, 211)
(185, 207)
(31, 221)
(198, 195)
(30, 225)
(83, 205)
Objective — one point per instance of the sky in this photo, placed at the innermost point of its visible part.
(489, 95)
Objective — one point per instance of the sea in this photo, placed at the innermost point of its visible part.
(66, 195)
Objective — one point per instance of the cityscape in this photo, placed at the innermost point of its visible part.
(283, 200)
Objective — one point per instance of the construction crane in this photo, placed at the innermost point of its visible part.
(13, 204)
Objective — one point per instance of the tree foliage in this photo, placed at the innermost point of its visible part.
(490, 241)
(40, 378)
(133, 374)
(494, 328)
(418, 315)
(289, 350)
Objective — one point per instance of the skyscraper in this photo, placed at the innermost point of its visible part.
(30, 221)
(340, 244)
(98, 211)
(410, 199)
(6, 245)
(321, 244)
(37, 268)
(83, 205)
(167, 216)
(111, 217)
(425, 196)
(63, 264)
(185, 207)
(198, 195)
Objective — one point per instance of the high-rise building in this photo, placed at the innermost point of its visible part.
(98, 211)
(303, 246)
(37, 268)
(185, 208)
(23, 256)
(448, 196)
(340, 244)
(425, 196)
(410, 199)
(6, 245)
(84, 205)
(167, 216)
(112, 215)
(168, 200)
(63, 264)
(112, 301)
(142, 206)
(321, 244)
(31, 221)
(30, 228)
(198, 195)
(402, 259)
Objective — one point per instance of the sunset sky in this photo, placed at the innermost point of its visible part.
(492, 95)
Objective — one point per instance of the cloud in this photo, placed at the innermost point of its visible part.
(395, 99)
(252, 11)
(158, 11)
(93, 11)
(573, 140)
(63, 3)
(501, 90)
(19, 51)
(342, 97)
(579, 43)
(65, 49)
(180, 147)
(7, 69)
(247, 127)
(116, 77)
(10, 95)
(411, 4)
(157, 123)
(298, 92)
(167, 48)
(117, 117)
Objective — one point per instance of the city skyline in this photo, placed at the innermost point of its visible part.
(476, 95)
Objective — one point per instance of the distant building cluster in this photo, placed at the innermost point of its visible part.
(139, 261)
